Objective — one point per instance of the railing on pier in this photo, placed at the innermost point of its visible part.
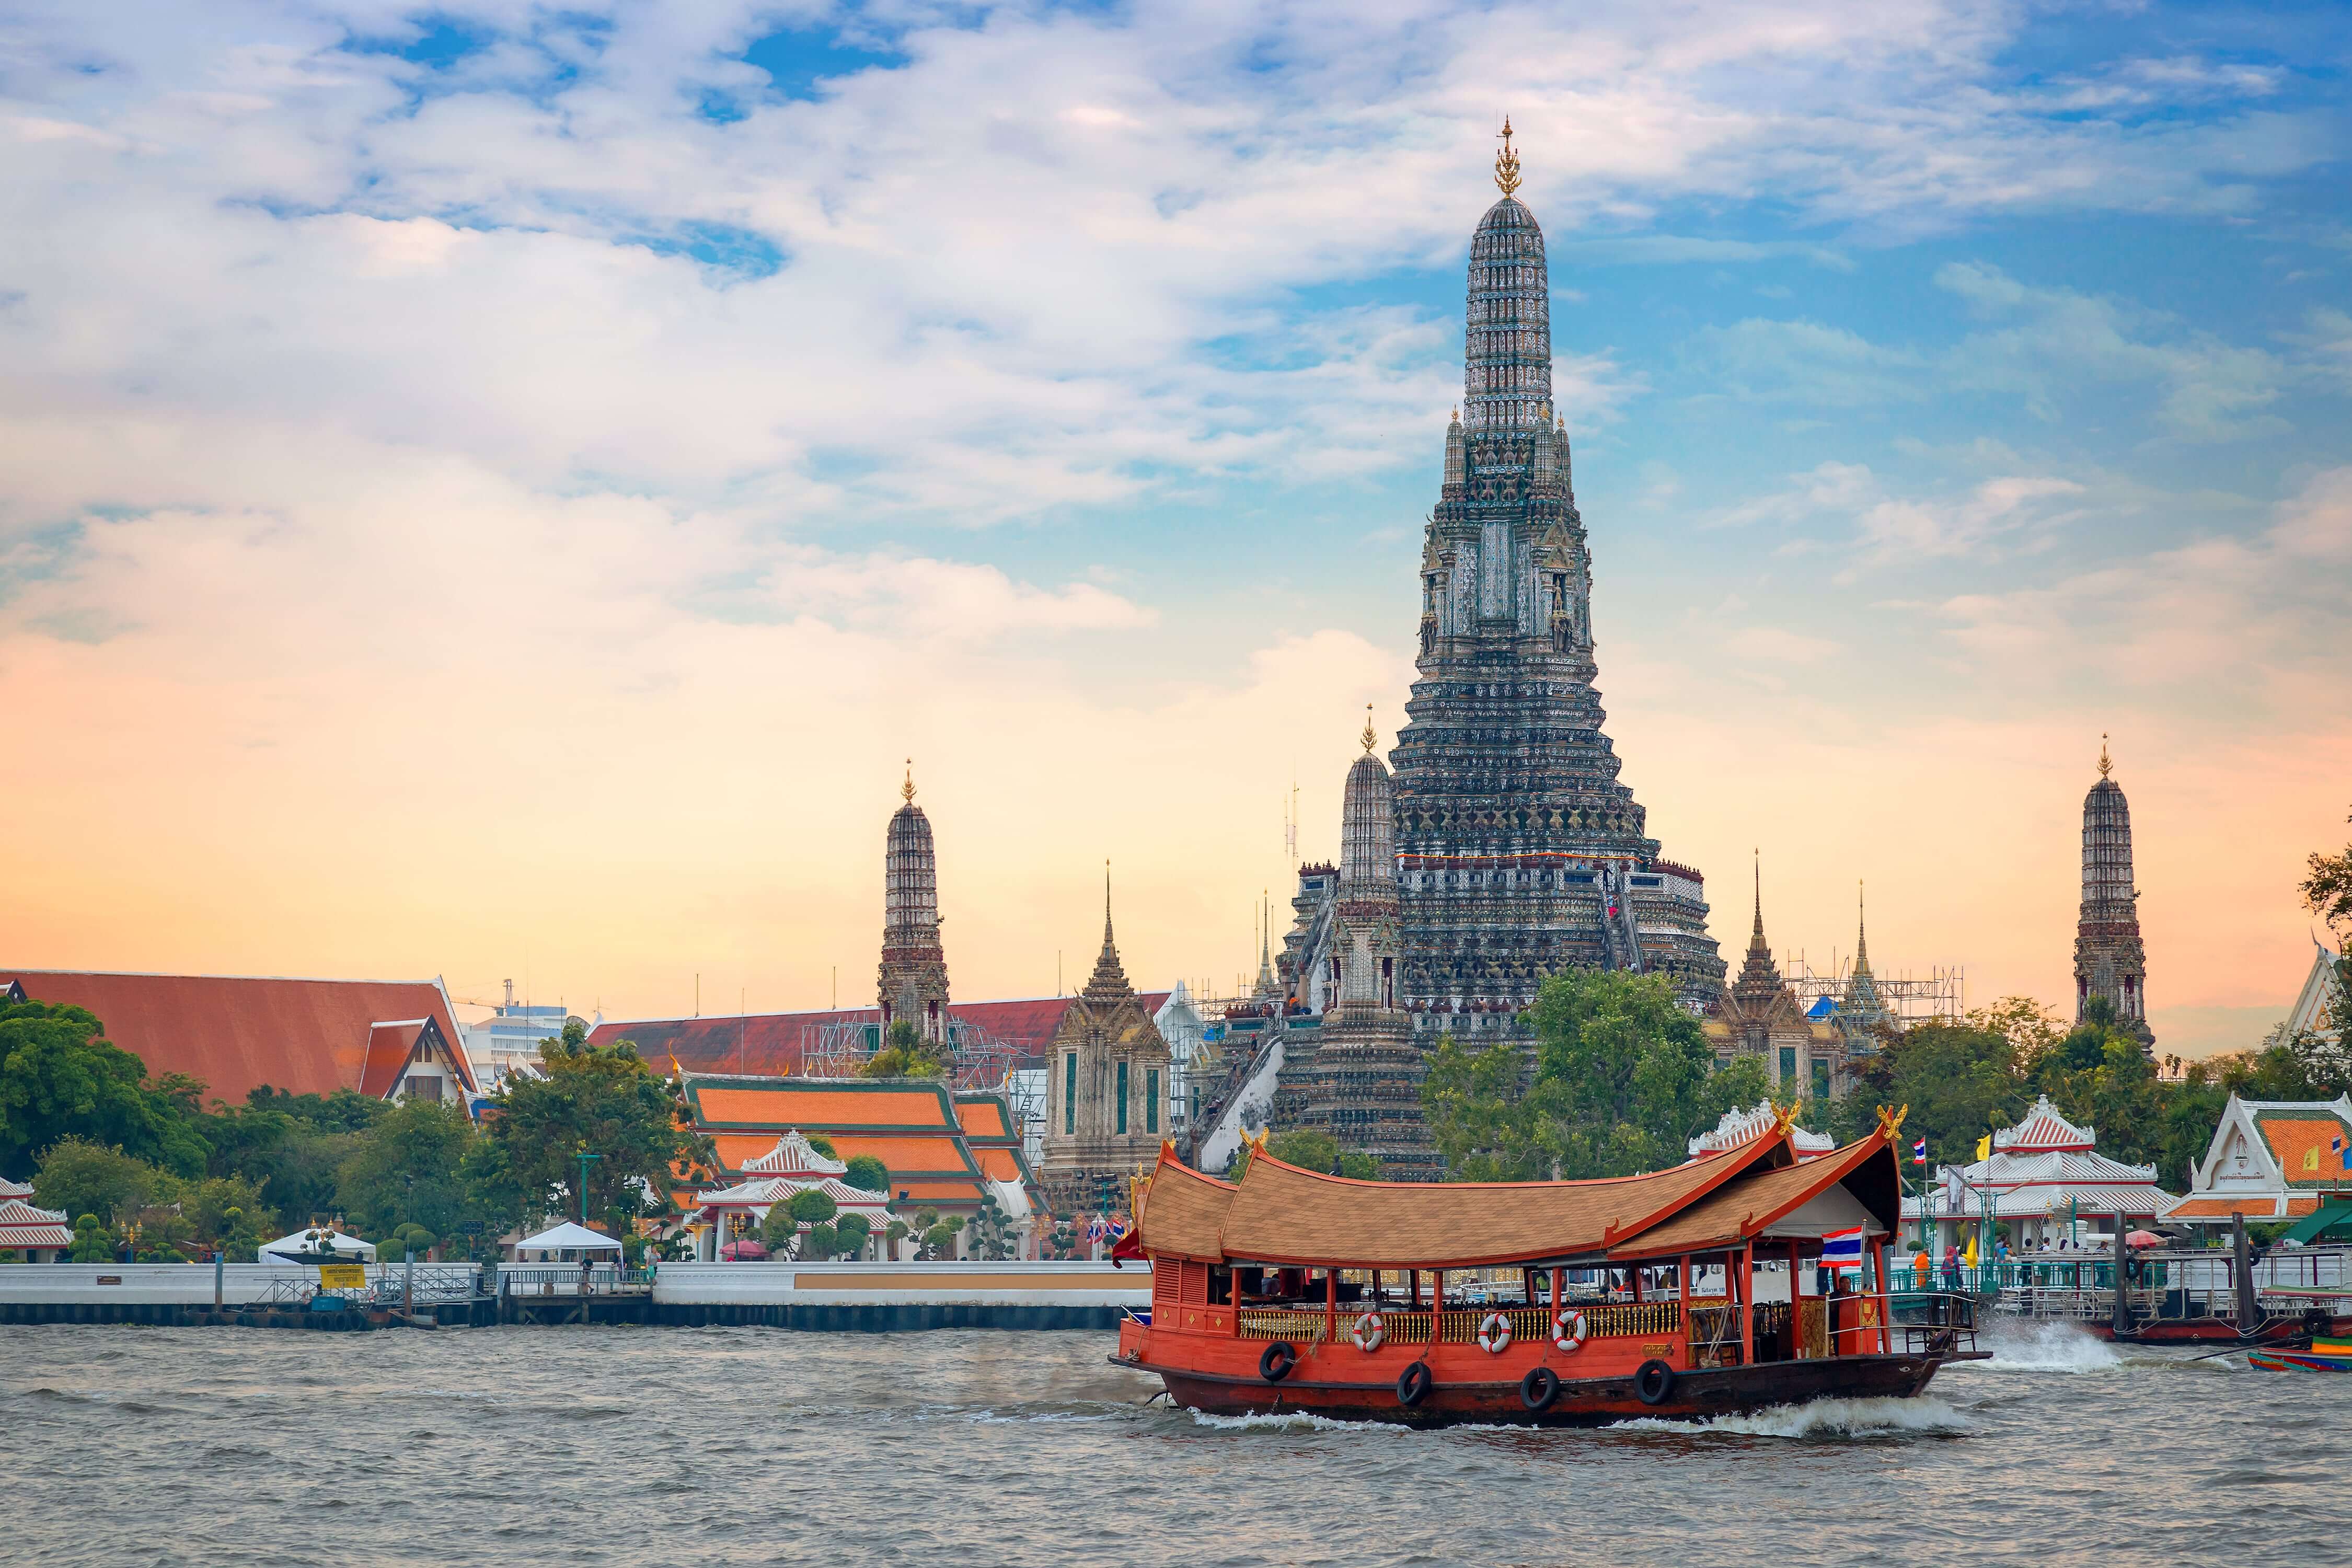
(557, 1280)
(1929, 1322)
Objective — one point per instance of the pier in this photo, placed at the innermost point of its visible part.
(851, 1297)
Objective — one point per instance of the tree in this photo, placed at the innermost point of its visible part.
(229, 1214)
(1312, 1150)
(852, 1230)
(602, 1099)
(781, 1229)
(906, 1054)
(2327, 890)
(1618, 1081)
(61, 1077)
(867, 1175)
(92, 1242)
(1960, 1077)
(405, 1171)
(993, 1233)
(82, 1177)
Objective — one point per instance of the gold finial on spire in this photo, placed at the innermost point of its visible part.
(2106, 768)
(1370, 739)
(907, 790)
(1507, 161)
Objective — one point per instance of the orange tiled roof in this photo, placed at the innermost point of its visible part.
(798, 1103)
(1001, 1164)
(2254, 1207)
(1743, 1207)
(982, 1117)
(2300, 1145)
(236, 1033)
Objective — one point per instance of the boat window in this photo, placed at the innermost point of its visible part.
(1220, 1287)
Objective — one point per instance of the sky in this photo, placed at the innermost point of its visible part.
(503, 491)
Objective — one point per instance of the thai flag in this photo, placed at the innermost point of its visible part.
(1842, 1249)
(1919, 1152)
(2336, 1147)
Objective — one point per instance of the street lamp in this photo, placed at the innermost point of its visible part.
(584, 1157)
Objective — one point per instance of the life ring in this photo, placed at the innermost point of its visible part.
(1569, 1329)
(1538, 1388)
(1654, 1381)
(1274, 1363)
(1415, 1383)
(1370, 1333)
(1495, 1334)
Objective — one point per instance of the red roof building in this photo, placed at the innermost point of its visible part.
(234, 1034)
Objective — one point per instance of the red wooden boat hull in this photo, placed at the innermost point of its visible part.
(2214, 1331)
(1581, 1402)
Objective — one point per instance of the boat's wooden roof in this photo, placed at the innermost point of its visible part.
(1281, 1214)
(1743, 1208)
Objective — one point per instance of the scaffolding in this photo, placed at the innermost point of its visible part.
(979, 1062)
(1941, 993)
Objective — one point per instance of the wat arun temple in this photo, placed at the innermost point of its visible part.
(1503, 846)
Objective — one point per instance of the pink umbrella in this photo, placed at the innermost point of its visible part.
(743, 1251)
(2143, 1238)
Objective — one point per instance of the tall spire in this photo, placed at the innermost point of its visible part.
(1108, 981)
(1860, 931)
(1758, 977)
(907, 791)
(1507, 161)
(1756, 937)
(2106, 768)
(1370, 737)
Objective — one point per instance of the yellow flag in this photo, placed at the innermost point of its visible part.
(2311, 1158)
(1984, 1147)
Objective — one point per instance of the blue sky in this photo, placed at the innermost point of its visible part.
(1054, 393)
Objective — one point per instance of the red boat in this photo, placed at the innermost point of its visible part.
(1536, 1303)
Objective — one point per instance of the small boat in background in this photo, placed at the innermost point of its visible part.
(2324, 1355)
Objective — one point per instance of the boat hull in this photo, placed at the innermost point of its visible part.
(1583, 1401)
(2214, 1331)
(2288, 1360)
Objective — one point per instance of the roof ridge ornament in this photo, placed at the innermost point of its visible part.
(1507, 161)
(907, 791)
(1370, 737)
(2106, 768)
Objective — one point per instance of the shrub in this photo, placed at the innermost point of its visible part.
(867, 1175)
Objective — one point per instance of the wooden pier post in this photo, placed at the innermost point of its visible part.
(2242, 1276)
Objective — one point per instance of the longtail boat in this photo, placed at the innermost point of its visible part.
(2324, 1355)
(1289, 1290)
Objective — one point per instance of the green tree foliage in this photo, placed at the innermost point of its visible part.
(852, 1230)
(1312, 1150)
(404, 1169)
(2327, 890)
(994, 1235)
(1619, 1080)
(906, 1054)
(61, 1077)
(601, 1098)
(867, 1175)
(1960, 1078)
(229, 1213)
(93, 1242)
(82, 1177)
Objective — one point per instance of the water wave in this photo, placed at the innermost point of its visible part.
(1288, 1420)
(1821, 1418)
(2042, 1347)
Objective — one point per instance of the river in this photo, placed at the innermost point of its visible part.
(754, 1445)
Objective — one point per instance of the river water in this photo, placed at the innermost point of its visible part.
(751, 1445)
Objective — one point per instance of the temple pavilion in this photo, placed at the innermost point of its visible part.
(1741, 1128)
(2044, 1178)
(2274, 1160)
(35, 1234)
(793, 1166)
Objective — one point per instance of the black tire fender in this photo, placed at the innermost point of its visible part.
(1415, 1383)
(1653, 1382)
(1276, 1362)
(1538, 1388)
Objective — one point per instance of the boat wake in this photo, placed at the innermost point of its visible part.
(2044, 1347)
(1289, 1421)
(1821, 1418)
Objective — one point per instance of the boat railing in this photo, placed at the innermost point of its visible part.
(1929, 1322)
(1407, 1325)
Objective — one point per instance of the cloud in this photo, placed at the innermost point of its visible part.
(2044, 347)
(1775, 645)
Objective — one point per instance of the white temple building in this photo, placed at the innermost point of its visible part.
(1739, 1127)
(2272, 1160)
(793, 1166)
(2045, 1181)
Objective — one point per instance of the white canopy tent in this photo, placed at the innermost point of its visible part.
(564, 1244)
(348, 1249)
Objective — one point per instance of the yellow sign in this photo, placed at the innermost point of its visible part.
(2311, 1158)
(343, 1277)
